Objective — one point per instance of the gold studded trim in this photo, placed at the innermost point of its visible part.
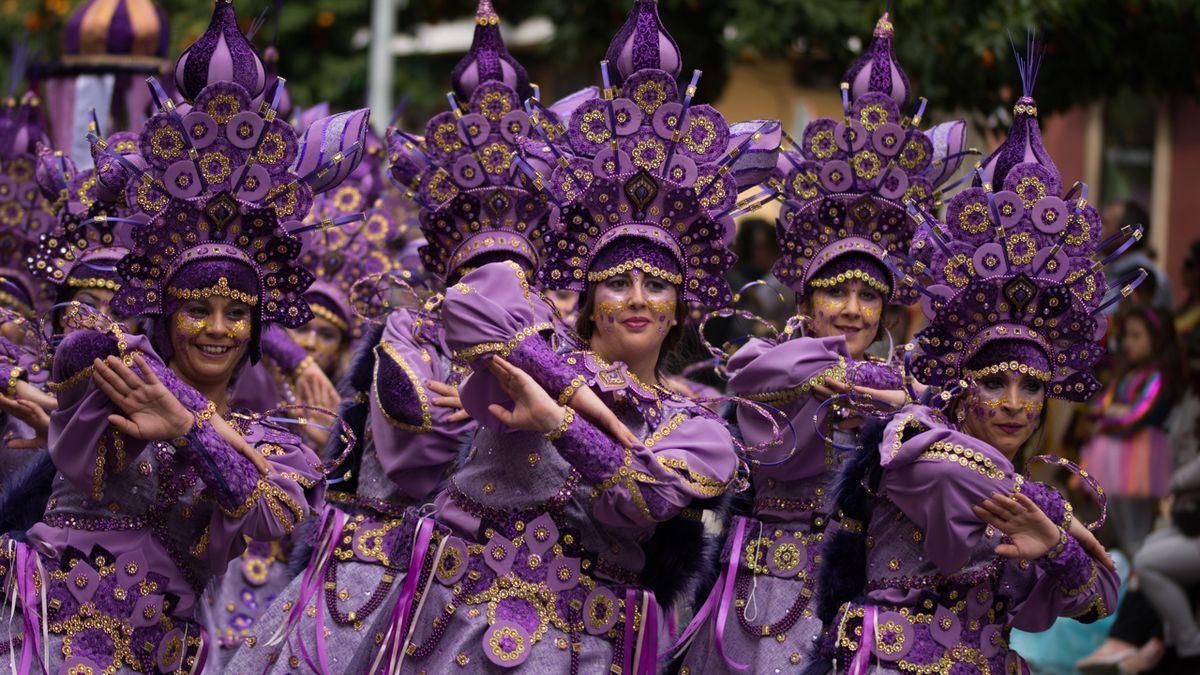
(94, 282)
(323, 312)
(1007, 366)
(636, 263)
(501, 348)
(220, 289)
(843, 277)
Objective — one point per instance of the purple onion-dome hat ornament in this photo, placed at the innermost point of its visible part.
(847, 180)
(225, 186)
(470, 174)
(644, 178)
(1016, 269)
(25, 213)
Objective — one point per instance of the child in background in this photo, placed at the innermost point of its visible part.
(1130, 454)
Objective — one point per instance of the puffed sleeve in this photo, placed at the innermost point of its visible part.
(282, 350)
(414, 439)
(934, 474)
(84, 449)
(1068, 581)
(493, 311)
(687, 458)
(781, 376)
(263, 508)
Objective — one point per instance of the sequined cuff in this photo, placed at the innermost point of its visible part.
(1073, 568)
(534, 356)
(589, 450)
(230, 476)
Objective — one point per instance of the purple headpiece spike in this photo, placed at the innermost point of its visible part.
(1023, 145)
(877, 70)
(643, 42)
(488, 59)
(221, 54)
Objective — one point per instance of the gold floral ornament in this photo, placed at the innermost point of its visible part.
(220, 289)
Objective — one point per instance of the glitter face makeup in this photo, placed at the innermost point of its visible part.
(1004, 409)
(850, 308)
(210, 337)
(632, 313)
(322, 340)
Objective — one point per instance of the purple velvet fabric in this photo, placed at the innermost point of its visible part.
(535, 356)
(281, 349)
(625, 249)
(857, 262)
(592, 452)
(1006, 351)
(231, 476)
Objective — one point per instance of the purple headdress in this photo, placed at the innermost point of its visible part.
(1017, 281)
(339, 257)
(846, 181)
(644, 178)
(25, 213)
(466, 175)
(223, 186)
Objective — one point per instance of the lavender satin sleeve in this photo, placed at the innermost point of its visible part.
(781, 376)
(494, 311)
(278, 346)
(414, 440)
(686, 458)
(934, 474)
(269, 507)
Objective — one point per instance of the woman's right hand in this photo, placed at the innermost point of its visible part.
(587, 403)
(152, 412)
(32, 415)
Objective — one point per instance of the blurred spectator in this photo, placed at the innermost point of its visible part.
(1118, 215)
(1130, 454)
(757, 250)
(1168, 563)
(1187, 321)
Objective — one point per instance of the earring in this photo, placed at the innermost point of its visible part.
(960, 415)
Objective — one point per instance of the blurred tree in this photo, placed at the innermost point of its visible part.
(956, 51)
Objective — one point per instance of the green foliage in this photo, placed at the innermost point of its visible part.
(956, 51)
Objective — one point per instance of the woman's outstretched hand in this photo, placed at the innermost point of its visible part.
(34, 416)
(447, 397)
(533, 409)
(1031, 533)
(152, 412)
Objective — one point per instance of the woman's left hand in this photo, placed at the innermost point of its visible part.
(1031, 533)
(1091, 544)
(448, 397)
(34, 416)
(533, 409)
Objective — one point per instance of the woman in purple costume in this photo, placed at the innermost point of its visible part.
(352, 596)
(842, 224)
(944, 545)
(583, 456)
(160, 483)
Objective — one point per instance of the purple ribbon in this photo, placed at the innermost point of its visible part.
(399, 618)
(648, 656)
(628, 644)
(862, 659)
(727, 593)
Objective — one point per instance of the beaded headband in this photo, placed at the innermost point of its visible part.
(846, 181)
(217, 179)
(636, 160)
(1015, 261)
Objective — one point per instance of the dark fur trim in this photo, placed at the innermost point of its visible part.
(355, 409)
(303, 545)
(24, 496)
